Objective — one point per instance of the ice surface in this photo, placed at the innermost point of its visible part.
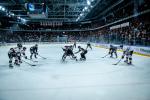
(94, 79)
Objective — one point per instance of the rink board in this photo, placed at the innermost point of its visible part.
(139, 50)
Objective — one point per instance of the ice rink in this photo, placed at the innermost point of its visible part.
(93, 79)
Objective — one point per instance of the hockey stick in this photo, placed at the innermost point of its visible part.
(31, 60)
(118, 62)
(105, 56)
(28, 63)
(42, 56)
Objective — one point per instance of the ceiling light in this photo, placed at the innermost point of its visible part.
(12, 14)
(18, 17)
(81, 14)
(86, 8)
(3, 9)
(77, 18)
(23, 20)
(88, 2)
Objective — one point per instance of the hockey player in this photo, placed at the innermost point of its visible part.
(113, 50)
(89, 46)
(128, 52)
(18, 54)
(11, 55)
(83, 52)
(68, 51)
(74, 44)
(34, 51)
(23, 52)
(71, 47)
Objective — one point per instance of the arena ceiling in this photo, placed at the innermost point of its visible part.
(64, 10)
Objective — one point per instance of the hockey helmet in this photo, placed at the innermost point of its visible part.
(111, 46)
(12, 49)
(71, 46)
(36, 45)
(121, 46)
(79, 46)
(128, 48)
(19, 45)
(24, 48)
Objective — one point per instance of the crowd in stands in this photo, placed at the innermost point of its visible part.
(137, 33)
(129, 35)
